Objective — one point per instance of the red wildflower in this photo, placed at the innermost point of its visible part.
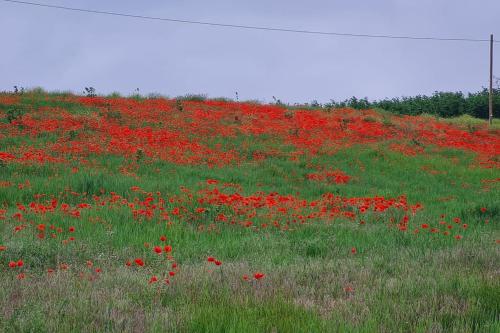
(245, 277)
(157, 249)
(12, 264)
(20, 263)
(139, 262)
(167, 248)
(153, 279)
(348, 289)
(218, 262)
(171, 273)
(458, 237)
(41, 227)
(128, 263)
(483, 209)
(163, 238)
(210, 259)
(353, 250)
(21, 276)
(3, 247)
(71, 229)
(258, 275)
(425, 226)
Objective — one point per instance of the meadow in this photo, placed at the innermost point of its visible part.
(191, 215)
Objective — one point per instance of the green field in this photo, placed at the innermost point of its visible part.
(360, 221)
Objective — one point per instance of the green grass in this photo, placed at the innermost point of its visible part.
(400, 282)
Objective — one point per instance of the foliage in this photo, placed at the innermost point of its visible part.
(442, 104)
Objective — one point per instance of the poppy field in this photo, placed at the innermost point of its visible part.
(194, 215)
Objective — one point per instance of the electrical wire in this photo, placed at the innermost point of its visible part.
(248, 27)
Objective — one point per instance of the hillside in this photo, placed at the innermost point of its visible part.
(206, 215)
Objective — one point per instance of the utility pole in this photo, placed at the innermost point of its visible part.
(491, 81)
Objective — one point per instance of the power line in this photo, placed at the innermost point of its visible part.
(248, 27)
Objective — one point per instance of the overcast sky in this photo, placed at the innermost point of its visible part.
(61, 50)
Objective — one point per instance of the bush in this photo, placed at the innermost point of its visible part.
(442, 104)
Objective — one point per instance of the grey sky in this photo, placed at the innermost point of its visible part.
(60, 50)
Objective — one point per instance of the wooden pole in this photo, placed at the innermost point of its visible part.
(491, 81)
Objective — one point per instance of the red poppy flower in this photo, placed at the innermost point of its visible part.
(167, 248)
(483, 209)
(163, 238)
(458, 237)
(210, 259)
(12, 264)
(139, 262)
(218, 262)
(20, 263)
(425, 226)
(258, 275)
(3, 248)
(128, 263)
(153, 279)
(353, 250)
(41, 227)
(348, 289)
(245, 277)
(171, 273)
(98, 270)
(71, 229)
(21, 276)
(157, 249)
